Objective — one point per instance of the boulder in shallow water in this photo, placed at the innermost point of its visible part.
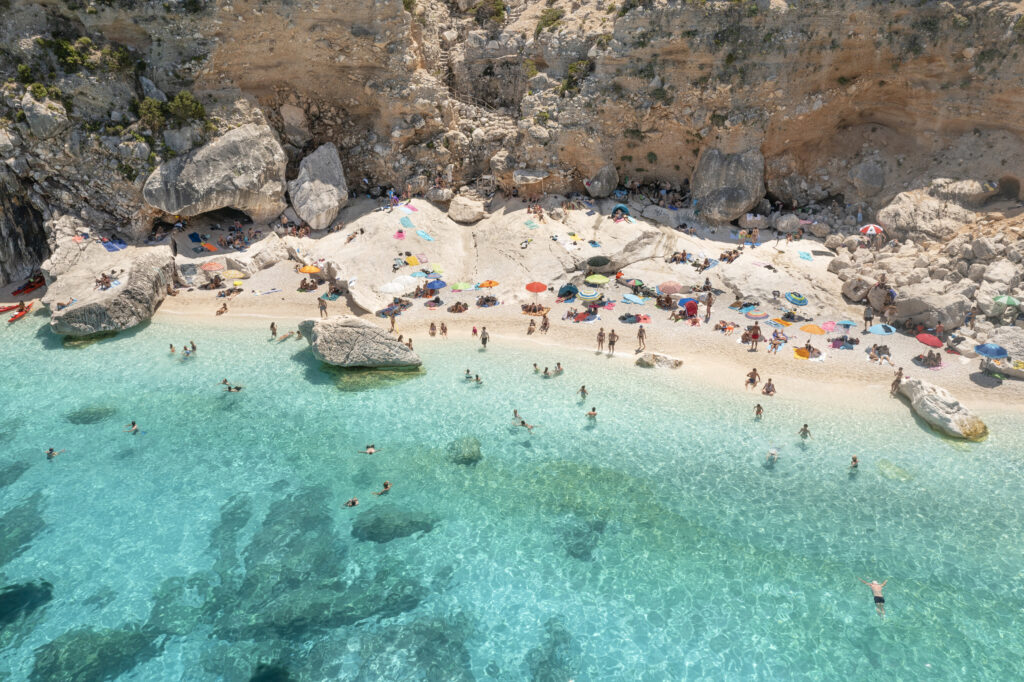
(346, 341)
(87, 654)
(386, 523)
(465, 451)
(942, 411)
(658, 360)
(140, 292)
(18, 601)
(242, 169)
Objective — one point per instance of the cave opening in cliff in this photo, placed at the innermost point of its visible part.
(1009, 189)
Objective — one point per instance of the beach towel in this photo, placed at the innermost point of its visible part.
(410, 206)
(78, 239)
(532, 225)
(747, 308)
(412, 260)
(781, 321)
(407, 223)
(773, 323)
(805, 255)
(586, 317)
(423, 235)
(423, 259)
(330, 297)
(195, 237)
(209, 247)
(542, 313)
(591, 213)
(268, 291)
(594, 244)
(109, 246)
(405, 209)
(713, 263)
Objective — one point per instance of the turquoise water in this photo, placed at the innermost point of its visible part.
(652, 544)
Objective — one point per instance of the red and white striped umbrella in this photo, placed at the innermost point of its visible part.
(872, 229)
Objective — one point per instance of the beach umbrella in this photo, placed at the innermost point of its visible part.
(212, 266)
(829, 326)
(433, 275)
(461, 286)
(671, 287)
(419, 274)
(991, 350)
(871, 229)
(598, 261)
(488, 284)
(684, 301)
(633, 282)
(567, 290)
(309, 269)
(929, 340)
(758, 315)
(437, 268)
(597, 279)
(588, 294)
(812, 329)
(691, 308)
(1006, 300)
(631, 298)
(881, 330)
(846, 323)
(436, 284)
(795, 298)
(536, 287)
(234, 274)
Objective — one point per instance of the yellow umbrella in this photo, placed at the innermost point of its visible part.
(597, 279)
(309, 269)
(488, 284)
(812, 329)
(233, 274)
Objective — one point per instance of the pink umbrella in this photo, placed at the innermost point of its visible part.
(211, 266)
(871, 229)
(829, 326)
(671, 287)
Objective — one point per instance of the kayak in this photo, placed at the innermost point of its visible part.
(23, 313)
(8, 308)
(31, 286)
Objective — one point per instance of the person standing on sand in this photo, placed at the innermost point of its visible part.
(707, 313)
(755, 336)
(444, 330)
(641, 339)
(391, 318)
(869, 316)
(876, 591)
(600, 340)
(612, 338)
(273, 330)
(323, 307)
(484, 337)
(753, 378)
(896, 382)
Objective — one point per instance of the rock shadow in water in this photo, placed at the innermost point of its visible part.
(357, 380)
(20, 526)
(270, 672)
(434, 648)
(557, 657)
(17, 601)
(465, 451)
(580, 537)
(91, 415)
(88, 654)
(9, 473)
(385, 523)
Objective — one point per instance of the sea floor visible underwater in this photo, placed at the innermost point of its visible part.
(650, 544)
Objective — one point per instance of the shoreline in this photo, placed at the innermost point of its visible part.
(718, 362)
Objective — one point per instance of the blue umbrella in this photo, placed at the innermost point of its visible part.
(433, 275)
(684, 301)
(419, 274)
(881, 330)
(436, 284)
(991, 350)
(846, 323)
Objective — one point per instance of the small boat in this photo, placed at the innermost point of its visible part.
(23, 313)
(32, 285)
(8, 308)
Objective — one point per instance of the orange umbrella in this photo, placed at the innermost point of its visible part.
(812, 329)
(211, 266)
(488, 284)
(309, 269)
(536, 287)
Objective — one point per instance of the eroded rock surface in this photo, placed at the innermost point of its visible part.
(942, 411)
(346, 341)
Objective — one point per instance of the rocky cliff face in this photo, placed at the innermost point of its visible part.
(23, 241)
(848, 104)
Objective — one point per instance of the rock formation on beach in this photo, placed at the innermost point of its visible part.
(141, 286)
(942, 411)
(346, 341)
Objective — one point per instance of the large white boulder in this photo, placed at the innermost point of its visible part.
(319, 192)
(141, 291)
(603, 183)
(296, 127)
(928, 304)
(465, 210)
(914, 212)
(727, 185)
(266, 252)
(651, 360)
(242, 169)
(346, 341)
(942, 411)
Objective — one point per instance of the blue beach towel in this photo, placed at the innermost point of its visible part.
(713, 264)
(424, 235)
(407, 223)
(532, 225)
(591, 212)
(109, 246)
(806, 256)
(195, 237)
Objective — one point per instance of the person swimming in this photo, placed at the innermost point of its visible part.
(772, 457)
(51, 453)
(133, 428)
(234, 389)
(370, 449)
(385, 490)
(758, 411)
(477, 379)
(353, 502)
(805, 432)
(528, 427)
(593, 413)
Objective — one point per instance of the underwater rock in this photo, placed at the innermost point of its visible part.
(17, 601)
(87, 654)
(893, 471)
(581, 538)
(90, 415)
(386, 523)
(12, 472)
(20, 526)
(266, 672)
(465, 451)
(434, 647)
(557, 657)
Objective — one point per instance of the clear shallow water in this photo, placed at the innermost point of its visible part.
(650, 545)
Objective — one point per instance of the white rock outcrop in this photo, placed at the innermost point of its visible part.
(242, 169)
(658, 360)
(465, 210)
(942, 411)
(727, 185)
(319, 192)
(266, 252)
(346, 341)
(133, 301)
(45, 119)
(604, 182)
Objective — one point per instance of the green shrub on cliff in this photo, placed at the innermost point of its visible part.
(185, 107)
(549, 19)
(151, 113)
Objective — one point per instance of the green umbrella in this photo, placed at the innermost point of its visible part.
(462, 285)
(597, 279)
(1007, 299)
